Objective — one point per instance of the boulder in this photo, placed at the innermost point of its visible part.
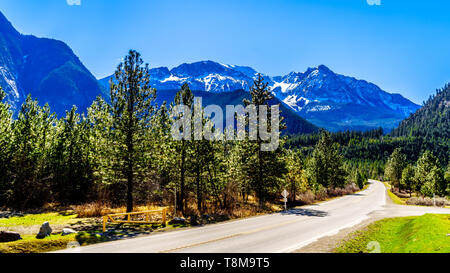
(193, 220)
(9, 236)
(208, 218)
(68, 231)
(44, 231)
(177, 221)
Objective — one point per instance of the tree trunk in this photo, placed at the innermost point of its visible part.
(183, 158)
(130, 174)
(130, 192)
(130, 181)
(260, 176)
(293, 193)
(199, 190)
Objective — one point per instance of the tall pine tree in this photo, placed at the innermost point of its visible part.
(264, 169)
(132, 108)
(183, 147)
(6, 135)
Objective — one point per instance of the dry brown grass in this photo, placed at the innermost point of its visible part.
(99, 209)
(236, 209)
(349, 189)
(401, 194)
(426, 201)
(248, 210)
(309, 197)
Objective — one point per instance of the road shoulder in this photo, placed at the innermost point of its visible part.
(328, 244)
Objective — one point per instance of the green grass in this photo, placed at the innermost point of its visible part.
(424, 234)
(38, 219)
(28, 225)
(397, 200)
(30, 244)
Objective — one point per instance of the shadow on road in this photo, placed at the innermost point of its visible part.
(305, 212)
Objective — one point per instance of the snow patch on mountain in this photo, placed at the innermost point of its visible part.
(296, 103)
(10, 80)
(319, 108)
(173, 78)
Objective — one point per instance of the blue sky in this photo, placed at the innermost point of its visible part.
(400, 45)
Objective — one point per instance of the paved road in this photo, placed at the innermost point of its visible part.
(275, 233)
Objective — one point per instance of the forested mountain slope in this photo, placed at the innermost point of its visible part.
(45, 68)
(431, 121)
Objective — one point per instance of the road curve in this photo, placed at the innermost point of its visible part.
(274, 233)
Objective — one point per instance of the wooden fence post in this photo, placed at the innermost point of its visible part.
(164, 212)
(105, 219)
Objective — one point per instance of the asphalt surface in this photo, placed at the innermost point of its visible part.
(274, 233)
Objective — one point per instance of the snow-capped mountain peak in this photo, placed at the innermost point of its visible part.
(317, 94)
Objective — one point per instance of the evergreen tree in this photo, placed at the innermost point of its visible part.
(296, 179)
(203, 153)
(407, 180)
(165, 156)
(429, 176)
(228, 160)
(6, 135)
(183, 148)
(447, 179)
(433, 183)
(100, 124)
(325, 168)
(132, 108)
(264, 169)
(72, 169)
(361, 179)
(395, 166)
(34, 133)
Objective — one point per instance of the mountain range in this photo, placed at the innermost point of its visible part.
(327, 99)
(45, 68)
(50, 71)
(294, 123)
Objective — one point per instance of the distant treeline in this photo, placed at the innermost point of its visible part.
(375, 146)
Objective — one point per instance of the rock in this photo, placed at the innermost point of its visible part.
(44, 231)
(221, 217)
(177, 221)
(208, 217)
(194, 220)
(9, 236)
(68, 231)
(9, 214)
